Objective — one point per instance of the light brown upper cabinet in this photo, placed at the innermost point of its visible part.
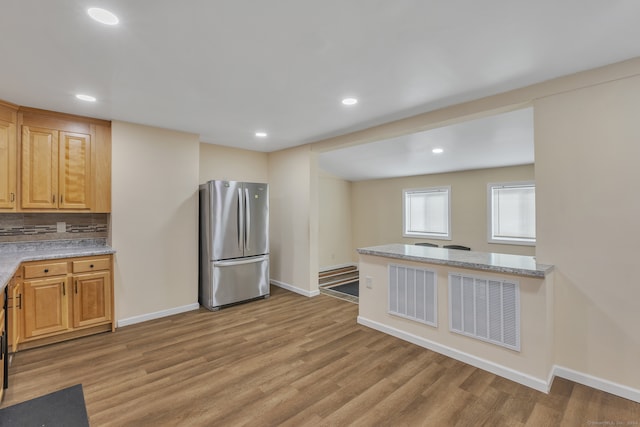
(39, 168)
(75, 171)
(65, 162)
(56, 169)
(8, 162)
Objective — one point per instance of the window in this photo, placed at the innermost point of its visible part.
(427, 213)
(512, 213)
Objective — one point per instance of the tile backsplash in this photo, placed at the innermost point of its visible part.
(20, 227)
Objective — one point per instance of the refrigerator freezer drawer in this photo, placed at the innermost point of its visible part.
(237, 281)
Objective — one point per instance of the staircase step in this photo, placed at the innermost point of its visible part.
(339, 278)
(337, 271)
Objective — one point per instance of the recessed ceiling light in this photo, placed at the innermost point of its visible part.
(349, 101)
(87, 98)
(103, 16)
(261, 134)
(437, 150)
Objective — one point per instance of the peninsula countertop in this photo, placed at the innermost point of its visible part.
(12, 254)
(520, 265)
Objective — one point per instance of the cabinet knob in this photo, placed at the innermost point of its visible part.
(91, 266)
(46, 270)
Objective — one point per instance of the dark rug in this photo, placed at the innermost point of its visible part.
(350, 288)
(63, 408)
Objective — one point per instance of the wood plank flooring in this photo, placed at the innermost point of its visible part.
(290, 361)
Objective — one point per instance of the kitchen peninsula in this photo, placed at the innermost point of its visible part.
(493, 311)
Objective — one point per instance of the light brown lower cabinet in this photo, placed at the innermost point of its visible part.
(46, 307)
(14, 311)
(3, 343)
(91, 299)
(62, 299)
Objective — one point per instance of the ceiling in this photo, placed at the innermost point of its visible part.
(225, 69)
(496, 141)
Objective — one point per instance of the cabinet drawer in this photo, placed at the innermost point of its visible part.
(45, 269)
(87, 265)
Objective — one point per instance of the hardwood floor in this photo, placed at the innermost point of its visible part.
(291, 361)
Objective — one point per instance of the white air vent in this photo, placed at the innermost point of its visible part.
(485, 308)
(413, 294)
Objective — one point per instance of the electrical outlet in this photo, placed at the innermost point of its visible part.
(61, 227)
(368, 282)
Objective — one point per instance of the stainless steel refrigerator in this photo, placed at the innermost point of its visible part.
(234, 243)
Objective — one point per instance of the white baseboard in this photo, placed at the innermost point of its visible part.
(295, 289)
(511, 374)
(597, 383)
(156, 315)
(334, 267)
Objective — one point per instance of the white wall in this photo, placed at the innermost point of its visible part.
(587, 174)
(293, 215)
(232, 164)
(154, 221)
(334, 216)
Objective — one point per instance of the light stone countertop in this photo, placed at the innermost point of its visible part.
(519, 265)
(12, 254)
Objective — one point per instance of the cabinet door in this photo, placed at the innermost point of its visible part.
(39, 168)
(91, 299)
(7, 165)
(3, 342)
(75, 171)
(46, 308)
(14, 313)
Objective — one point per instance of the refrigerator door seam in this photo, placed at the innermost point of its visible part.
(240, 221)
(247, 218)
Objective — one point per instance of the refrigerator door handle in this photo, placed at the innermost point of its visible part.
(240, 219)
(238, 262)
(247, 218)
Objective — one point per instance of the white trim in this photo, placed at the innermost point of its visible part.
(295, 289)
(508, 373)
(156, 315)
(597, 383)
(334, 267)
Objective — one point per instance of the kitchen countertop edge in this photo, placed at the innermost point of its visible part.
(519, 265)
(11, 258)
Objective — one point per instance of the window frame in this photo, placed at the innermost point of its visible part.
(426, 235)
(507, 240)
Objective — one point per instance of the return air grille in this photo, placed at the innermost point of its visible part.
(485, 308)
(413, 294)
